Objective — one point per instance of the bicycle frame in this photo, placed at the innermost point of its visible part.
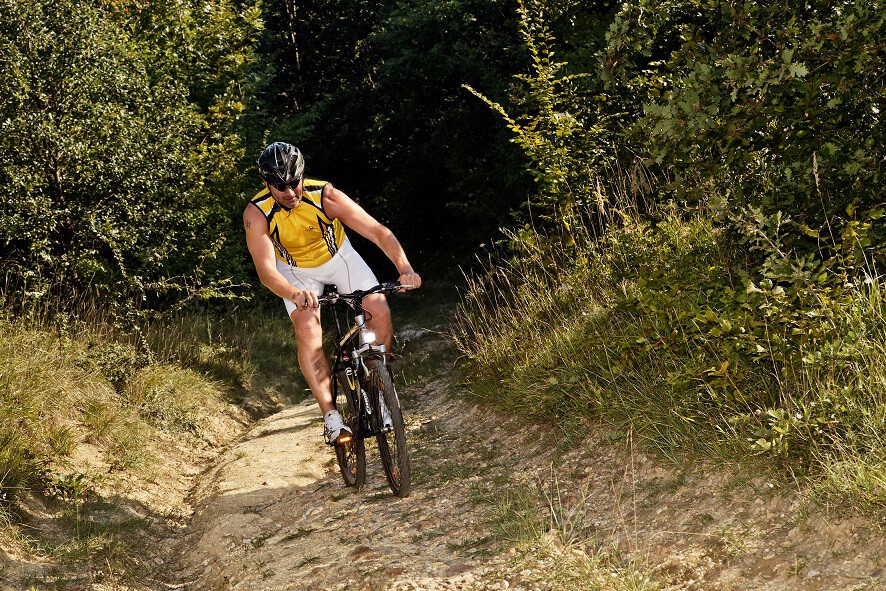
(366, 340)
(349, 359)
(362, 382)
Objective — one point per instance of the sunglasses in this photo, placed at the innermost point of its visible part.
(290, 185)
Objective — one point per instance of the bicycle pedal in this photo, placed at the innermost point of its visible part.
(344, 438)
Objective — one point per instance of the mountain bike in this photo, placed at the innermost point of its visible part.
(363, 393)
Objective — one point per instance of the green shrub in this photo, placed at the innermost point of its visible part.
(139, 116)
(720, 296)
(116, 361)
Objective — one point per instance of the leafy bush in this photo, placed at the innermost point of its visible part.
(103, 154)
(117, 362)
(774, 105)
(722, 296)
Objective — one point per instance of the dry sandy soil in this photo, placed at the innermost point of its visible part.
(273, 513)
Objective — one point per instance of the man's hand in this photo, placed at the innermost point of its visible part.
(304, 299)
(410, 278)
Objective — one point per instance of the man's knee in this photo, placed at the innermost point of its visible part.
(307, 326)
(377, 306)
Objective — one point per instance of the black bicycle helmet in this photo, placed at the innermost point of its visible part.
(280, 163)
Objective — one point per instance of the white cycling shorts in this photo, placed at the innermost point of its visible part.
(346, 270)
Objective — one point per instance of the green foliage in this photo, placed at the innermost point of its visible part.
(667, 329)
(117, 362)
(782, 342)
(741, 105)
(735, 316)
(776, 105)
(104, 151)
(563, 125)
(373, 95)
(73, 487)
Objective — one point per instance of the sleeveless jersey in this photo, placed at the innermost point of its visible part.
(303, 236)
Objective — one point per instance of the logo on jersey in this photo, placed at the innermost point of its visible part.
(328, 231)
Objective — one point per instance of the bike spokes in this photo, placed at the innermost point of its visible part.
(350, 451)
(391, 444)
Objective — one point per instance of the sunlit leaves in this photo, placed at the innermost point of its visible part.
(109, 140)
(775, 104)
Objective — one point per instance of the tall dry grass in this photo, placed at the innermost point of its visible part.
(94, 407)
(657, 328)
(73, 374)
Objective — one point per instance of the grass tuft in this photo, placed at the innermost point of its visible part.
(556, 548)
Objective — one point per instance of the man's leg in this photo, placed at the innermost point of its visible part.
(311, 358)
(353, 273)
(380, 319)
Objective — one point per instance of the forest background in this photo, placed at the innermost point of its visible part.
(685, 196)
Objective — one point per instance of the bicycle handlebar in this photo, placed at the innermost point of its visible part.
(360, 294)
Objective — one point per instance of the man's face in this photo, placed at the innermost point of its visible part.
(289, 194)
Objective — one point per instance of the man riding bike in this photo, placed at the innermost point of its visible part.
(295, 234)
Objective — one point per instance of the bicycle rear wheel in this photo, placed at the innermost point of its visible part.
(391, 444)
(351, 456)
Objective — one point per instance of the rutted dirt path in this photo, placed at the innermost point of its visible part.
(273, 514)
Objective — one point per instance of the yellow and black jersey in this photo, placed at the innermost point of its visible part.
(303, 236)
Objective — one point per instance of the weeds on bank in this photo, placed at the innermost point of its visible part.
(555, 546)
(66, 381)
(247, 348)
(55, 398)
(90, 539)
(663, 328)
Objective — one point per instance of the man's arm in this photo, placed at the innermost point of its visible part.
(262, 250)
(340, 206)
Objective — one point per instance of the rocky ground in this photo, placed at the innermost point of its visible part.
(500, 504)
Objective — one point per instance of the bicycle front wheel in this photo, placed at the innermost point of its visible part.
(391, 443)
(351, 456)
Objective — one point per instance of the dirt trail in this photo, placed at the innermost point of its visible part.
(273, 514)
